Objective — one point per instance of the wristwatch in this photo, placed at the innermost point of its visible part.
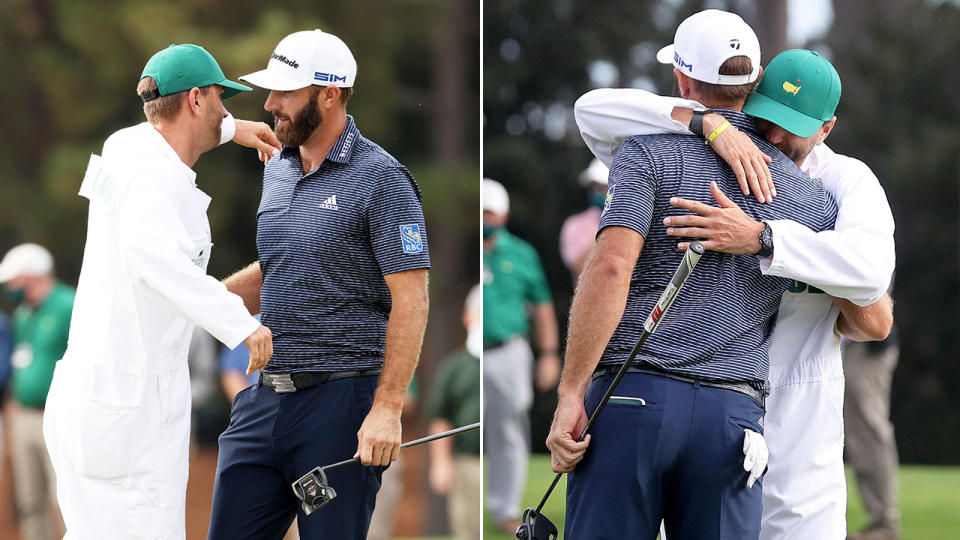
(696, 121)
(766, 241)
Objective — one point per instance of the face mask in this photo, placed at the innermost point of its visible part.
(597, 199)
(490, 230)
(15, 296)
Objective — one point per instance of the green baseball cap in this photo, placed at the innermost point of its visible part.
(182, 67)
(798, 91)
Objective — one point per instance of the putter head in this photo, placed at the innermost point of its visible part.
(313, 490)
(536, 526)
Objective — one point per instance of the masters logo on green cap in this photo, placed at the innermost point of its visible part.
(798, 91)
(182, 67)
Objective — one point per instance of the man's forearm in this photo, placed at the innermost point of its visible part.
(246, 284)
(607, 116)
(405, 328)
(441, 449)
(869, 323)
(598, 306)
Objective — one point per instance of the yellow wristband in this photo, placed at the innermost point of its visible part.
(716, 133)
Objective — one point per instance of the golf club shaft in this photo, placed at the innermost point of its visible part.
(422, 440)
(690, 259)
(596, 412)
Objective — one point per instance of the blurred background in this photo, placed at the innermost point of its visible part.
(70, 71)
(897, 114)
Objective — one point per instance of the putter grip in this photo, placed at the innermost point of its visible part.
(690, 259)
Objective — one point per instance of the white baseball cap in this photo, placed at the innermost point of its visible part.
(474, 301)
(495, 198)
(26, 260)
(595, 173)
(705, 40)
(305, 58)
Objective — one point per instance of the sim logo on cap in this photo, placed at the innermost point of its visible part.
(329, 77)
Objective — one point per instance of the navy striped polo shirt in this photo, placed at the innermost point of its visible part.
(720, 324)
(325, 240)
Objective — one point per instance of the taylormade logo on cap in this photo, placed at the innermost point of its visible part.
(705, 40)
(305, 58)
(285, 60)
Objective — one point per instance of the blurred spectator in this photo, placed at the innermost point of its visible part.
(870, 445)
(579, 230)
(208, 418)
(515, 294)
(6, 347)
(41, 325)
(233, 370)
(203, 359)
(455, 466)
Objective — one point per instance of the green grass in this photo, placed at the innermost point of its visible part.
(929, 498)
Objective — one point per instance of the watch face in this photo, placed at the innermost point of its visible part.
(767, 236)
(766, 241)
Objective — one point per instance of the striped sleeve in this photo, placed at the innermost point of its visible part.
(394, 219)
(633, 190)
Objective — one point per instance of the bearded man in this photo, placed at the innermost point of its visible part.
(342, 283)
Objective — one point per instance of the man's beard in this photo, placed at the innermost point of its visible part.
(217, 131)
(297, 131)
(795, 154)
(214, 120)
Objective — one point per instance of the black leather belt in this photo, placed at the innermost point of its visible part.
(742, 387)
(291, 382)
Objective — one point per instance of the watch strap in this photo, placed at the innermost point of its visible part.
(696, 121)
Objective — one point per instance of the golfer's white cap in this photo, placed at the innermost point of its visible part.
(595, 173)
(305, 58)
(705, 40)
(26, 260)
(495, 198)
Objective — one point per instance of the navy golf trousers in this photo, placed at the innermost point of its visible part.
(665, 449)
(274, 439)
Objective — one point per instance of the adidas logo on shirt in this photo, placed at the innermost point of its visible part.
(330, 203)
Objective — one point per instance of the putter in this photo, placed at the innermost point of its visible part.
(536, 526)
(313, 490)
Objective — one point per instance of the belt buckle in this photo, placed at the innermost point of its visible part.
(282, 383)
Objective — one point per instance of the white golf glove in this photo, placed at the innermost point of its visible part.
(755, 455)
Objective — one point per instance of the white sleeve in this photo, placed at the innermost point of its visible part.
(228, 128)
(855, 260)
(607, 116)
(151, 240)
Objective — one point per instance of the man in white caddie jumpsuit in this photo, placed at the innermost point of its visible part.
(117, 420)
(804, 491)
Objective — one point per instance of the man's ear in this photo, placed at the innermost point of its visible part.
(329, 96)
(683, 83)
(193, 100)
(826, 129)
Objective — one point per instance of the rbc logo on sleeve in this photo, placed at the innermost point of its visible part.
(410, 238)
(609, 199)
